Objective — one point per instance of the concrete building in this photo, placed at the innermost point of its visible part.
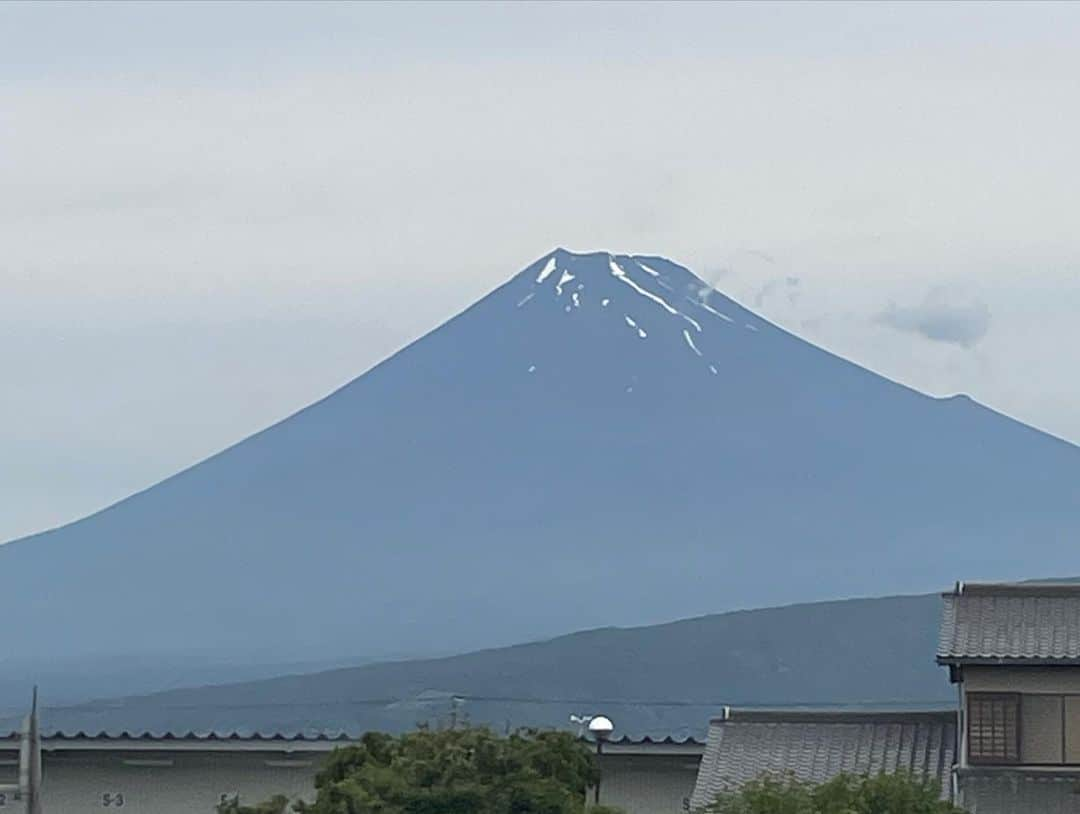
(191, 773)
(1013, 651)
(168, 774)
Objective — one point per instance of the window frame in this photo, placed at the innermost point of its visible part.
(1012, 755)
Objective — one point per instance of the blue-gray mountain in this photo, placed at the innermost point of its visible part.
(660, 680)
(602, 440)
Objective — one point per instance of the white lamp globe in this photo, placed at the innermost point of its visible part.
(601, 727)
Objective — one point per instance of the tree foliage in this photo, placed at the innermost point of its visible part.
(846, 794)
(453, 771)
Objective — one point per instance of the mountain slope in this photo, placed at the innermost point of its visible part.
(660, 680)
(601, 440)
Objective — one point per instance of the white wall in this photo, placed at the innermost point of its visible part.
(76, 782)
(648, 784)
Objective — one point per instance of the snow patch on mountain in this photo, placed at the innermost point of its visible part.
(690, 341)
(546, 271)
(640, 331)
(622, 276)
(647, 269)
(563, 280)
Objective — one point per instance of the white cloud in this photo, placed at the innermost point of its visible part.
(939, 320)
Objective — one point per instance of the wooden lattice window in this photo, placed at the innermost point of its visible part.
(993, 725)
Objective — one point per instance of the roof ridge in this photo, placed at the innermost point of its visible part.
(833, 715)
(1032, 588)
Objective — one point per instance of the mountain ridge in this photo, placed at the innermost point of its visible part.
(661, 680)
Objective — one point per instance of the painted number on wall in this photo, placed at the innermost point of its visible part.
(112, 799)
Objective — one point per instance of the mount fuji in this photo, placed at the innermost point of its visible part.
(603, 440)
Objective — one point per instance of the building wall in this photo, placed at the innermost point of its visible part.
(1022, 679)
(1049, 726)
(1019, 794)
(648, 784)
(79, 782)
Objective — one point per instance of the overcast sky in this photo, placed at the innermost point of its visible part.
(213, 214)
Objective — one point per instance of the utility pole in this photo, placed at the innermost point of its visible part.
(31, 746)
(28, 788)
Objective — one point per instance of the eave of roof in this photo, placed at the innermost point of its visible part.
(833, 715)
(287, 741)
(1032, 772)
(61, 735)
(1043, 588)
(647, 740)
(1008, 661)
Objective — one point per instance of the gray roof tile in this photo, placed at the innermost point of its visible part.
(817, 746)
(309, 735)
(148, 735)
(1011, 622)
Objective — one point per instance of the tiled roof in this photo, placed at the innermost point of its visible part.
(186, 736)
(657, 740)
(817, 746)
(1026, 622)
(291, 737)
(1010, 792)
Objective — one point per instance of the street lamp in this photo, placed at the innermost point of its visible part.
(600, 727)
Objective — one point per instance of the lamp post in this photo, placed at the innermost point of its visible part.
(600, 727)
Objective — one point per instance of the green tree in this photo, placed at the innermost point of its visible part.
(846, 794)
(453, 771)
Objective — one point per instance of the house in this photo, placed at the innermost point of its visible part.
(1013, 651)
(815, 746)
(168, 773)
(191, 773)
(643, 775)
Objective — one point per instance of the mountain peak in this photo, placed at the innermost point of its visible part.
(648, 296)
(599, 262)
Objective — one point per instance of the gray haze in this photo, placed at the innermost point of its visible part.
(211, 215)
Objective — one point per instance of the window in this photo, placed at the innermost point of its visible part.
(1071, 722)
(1041, 726)
(993, 727)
